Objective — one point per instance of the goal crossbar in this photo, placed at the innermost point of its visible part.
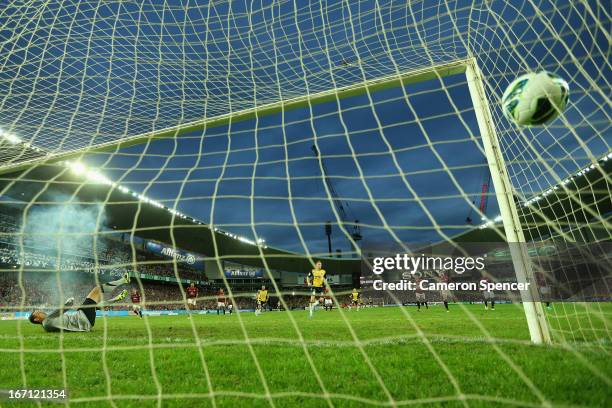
(360, 88)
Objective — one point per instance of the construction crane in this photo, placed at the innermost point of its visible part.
(484, 197)
(342, 207)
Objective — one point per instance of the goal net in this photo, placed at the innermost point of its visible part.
(233, 144)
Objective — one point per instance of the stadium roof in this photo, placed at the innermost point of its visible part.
(127, 211)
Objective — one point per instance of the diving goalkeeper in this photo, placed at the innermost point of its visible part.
(85, 317)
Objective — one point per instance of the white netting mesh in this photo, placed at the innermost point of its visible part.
(407, 161)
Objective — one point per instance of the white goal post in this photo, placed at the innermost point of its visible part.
(523, 268)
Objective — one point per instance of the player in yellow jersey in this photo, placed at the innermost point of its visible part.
(262, 299)
(355, 299)
(316, 280)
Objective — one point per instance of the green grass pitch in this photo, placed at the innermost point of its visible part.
(401, 357)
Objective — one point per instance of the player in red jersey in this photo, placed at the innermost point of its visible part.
(445, 278)
(488, 295)
(420, 294)
(136, 308)
(328, 300)
(221, 302)
(544, 288)
(192, 296)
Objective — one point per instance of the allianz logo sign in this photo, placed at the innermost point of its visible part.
(173, 253)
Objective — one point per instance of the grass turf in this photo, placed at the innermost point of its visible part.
(428, 358)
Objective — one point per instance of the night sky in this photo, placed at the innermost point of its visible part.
(284, 162)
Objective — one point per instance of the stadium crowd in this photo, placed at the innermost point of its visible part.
(43, 290)
(40, 259)
(9, 255)
(39, 285)
(152, 265)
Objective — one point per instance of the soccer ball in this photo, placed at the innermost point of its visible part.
(535, 98)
